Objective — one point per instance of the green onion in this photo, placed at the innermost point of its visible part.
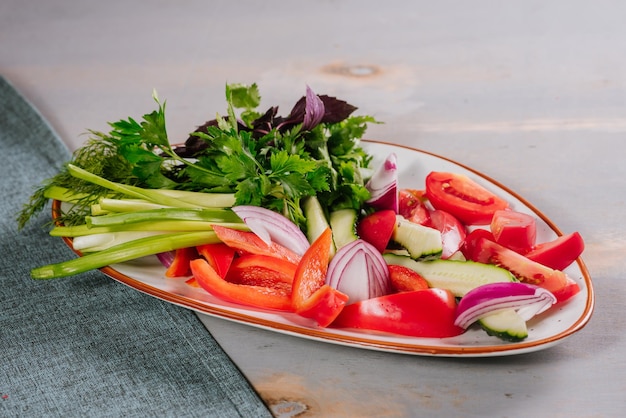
(164, 214)
(124, 252)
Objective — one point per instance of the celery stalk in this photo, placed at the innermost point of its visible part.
(124, 252)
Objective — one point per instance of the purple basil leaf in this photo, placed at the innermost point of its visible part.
(313, 111)
(335, 110)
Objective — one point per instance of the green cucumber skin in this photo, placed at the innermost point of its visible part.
(343, 224)
(455, 275)
(316, 221)
(420, 241)
(506, 325)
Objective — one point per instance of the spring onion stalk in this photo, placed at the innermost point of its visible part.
(174, 198)
(164, 214)
(99, 242)
(107, 205)
(169, 226)
(124, 252)
(63, 194)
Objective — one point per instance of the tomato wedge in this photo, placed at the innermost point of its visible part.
(559, 253)
(411, 206)
(311, 297)
(526, 270)
(514, 230)
(420, 313)
(257, 296)
(403, 279)
(459, 195)
(377, 228)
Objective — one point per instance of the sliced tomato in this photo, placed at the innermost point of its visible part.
(219, 256)
(453, 232)
(412, 207)
(526, 270)
(257, 296)
(180, 264)
(377, 228)
(249, 242)
(404, 279)
(461, 196)
(515, 230)
(559, 253)
(471, 240)
(420, 313)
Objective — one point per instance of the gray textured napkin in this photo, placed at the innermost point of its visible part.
(87, 345)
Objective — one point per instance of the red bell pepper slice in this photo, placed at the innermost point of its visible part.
(180, 264)
(421, 313)
(311, 297)
(257, 296)
(262, 270)
(323, 305)
(249, 242)
(219, 256)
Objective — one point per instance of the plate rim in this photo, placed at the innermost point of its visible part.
(368, 340)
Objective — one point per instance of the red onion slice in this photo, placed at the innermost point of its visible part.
(359, 271)
(383, 185)
(271, 227)
(526, 299)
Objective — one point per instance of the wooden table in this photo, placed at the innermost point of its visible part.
(530, 93)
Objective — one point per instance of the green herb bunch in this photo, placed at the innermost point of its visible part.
(263, 158)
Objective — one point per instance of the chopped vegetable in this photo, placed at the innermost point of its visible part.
(264, 297)
(515, 230)
(377, 228)
(421, 313)
(526, 270)
(383, 185)
(311, 296)
(527, 300)
(273, 227)
(559, 253)
(359, 270)
(462, 197)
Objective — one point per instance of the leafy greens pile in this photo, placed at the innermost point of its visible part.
(263, 158)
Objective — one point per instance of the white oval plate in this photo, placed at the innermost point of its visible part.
(147, 275)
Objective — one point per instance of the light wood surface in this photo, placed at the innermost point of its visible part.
(531, 93)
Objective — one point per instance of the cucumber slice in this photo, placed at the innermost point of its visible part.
(343, 223)
(506, 324)
(457, 276)
(420, 241)
(316, 221)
